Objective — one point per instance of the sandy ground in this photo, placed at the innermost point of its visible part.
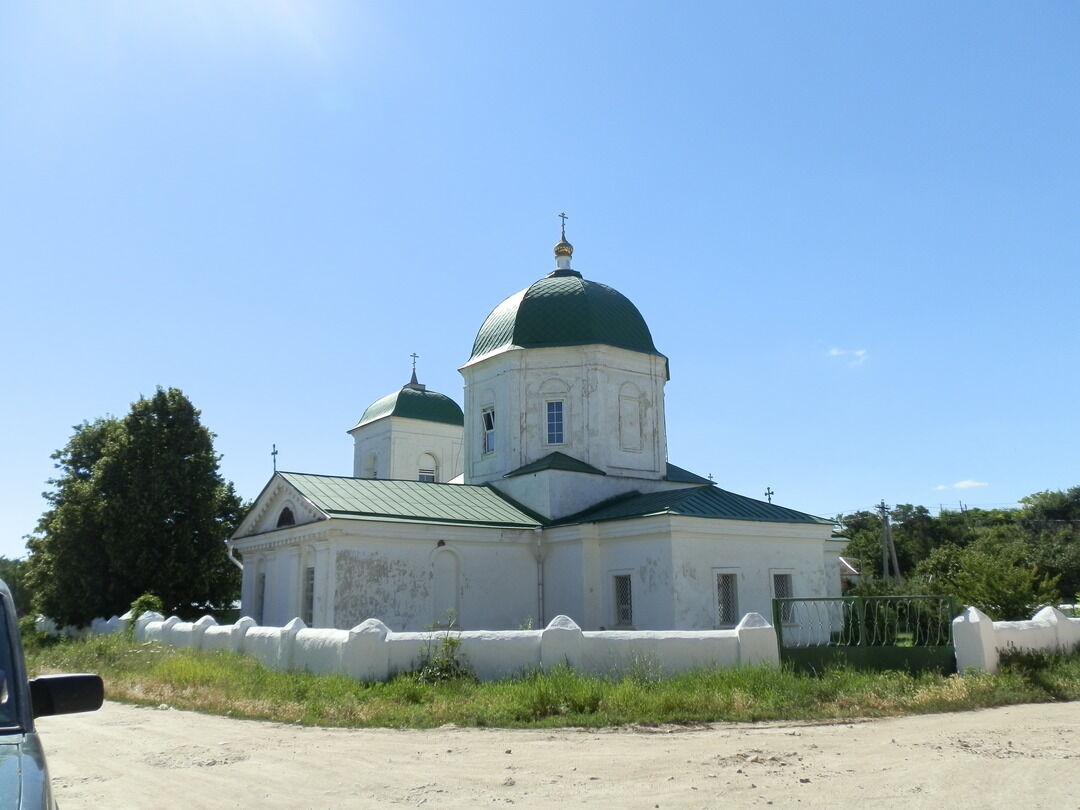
(124, 757)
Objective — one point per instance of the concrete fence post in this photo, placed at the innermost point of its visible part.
(366, 656)
(143, 620)
(199, 628)
(975, 641)
(758, 645)
(288, 637)
(561, 642)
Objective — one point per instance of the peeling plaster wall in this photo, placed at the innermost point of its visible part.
(753, 552)
(391, 578)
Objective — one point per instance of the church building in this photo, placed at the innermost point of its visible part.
(550, 493)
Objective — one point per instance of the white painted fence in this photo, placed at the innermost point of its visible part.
(372, 652)
(980, 640)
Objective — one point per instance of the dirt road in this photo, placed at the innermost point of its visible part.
(125, 757)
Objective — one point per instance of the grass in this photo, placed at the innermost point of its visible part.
(229, 684)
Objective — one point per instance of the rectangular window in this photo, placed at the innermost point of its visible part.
(783, 589)
(555, 422)
(624, 603)
(487, 417)
(260, 598)
(727, 599)
(309, 596)
(427, 475)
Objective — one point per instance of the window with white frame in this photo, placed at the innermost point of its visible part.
(727, 598)
(487, 423)
(624, 601)
(429, 469)
(554, 410)
(308, 609)
(783, 589)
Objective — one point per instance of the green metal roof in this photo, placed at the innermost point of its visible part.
(556, 461)
(415, 402)
(681, 476)
(704, 502)
(564, 309)
(360, 498)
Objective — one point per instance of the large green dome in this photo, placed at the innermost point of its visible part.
(563, 309)
(414, 402)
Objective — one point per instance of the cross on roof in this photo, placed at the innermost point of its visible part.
(563, 217)
(414, 357)
(769, 493)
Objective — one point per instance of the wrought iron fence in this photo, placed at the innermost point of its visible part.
(865, 621)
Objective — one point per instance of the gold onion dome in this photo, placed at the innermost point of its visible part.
(564, 248)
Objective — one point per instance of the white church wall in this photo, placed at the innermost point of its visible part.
(390, 573)
(589, 380)
(754, 553)
(372, 652)
(394, 447)
(647, 561)
(563, 578)
(559, 493)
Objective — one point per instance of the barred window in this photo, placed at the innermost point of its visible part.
(624, 603)
(782, 589)
(309, 596)
(286, 518)
(427, 475)
(727, 599)
(555, 422)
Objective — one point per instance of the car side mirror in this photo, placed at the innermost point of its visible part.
(64, 694)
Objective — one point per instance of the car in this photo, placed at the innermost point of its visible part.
(24, 776)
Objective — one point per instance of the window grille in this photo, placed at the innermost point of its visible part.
(488, 420)
(286, 518)
(727, 599)
(782, 589)
(427, 475)
(309, 596)
(555, 422)
(624, 606)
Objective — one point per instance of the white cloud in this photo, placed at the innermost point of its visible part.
(856, 357)
(966, 484)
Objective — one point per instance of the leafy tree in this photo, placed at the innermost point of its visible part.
(994, 573)
(13, 573)
(139, 507)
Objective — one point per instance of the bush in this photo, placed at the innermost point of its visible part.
(147, 603)
(32, 638)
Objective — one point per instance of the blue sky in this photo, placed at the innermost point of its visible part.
(852, 227)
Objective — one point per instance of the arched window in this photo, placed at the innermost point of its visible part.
(428, 468)
(286, 518)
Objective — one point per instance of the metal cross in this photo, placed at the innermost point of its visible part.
(769, 493)
(414, 357)
(563, 217)
(273, 453)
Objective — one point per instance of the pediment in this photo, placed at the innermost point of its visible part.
(266, 512)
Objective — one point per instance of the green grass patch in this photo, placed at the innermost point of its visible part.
(235, 685)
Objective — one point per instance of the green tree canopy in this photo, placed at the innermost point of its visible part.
(138, 507)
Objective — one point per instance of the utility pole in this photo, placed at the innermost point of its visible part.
(888, 548)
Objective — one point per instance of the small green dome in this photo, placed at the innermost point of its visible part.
(414, 402)
(563, 309)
